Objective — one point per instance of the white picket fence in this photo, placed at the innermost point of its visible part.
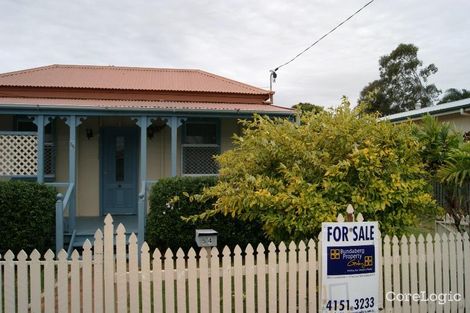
(113, 276)
(447, 225)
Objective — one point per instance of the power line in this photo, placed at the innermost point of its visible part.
(273, 72)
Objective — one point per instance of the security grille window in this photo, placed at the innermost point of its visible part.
(200, 144)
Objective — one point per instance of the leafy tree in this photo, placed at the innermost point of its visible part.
(305, 107)
(292, 177)
(437, 141)
(456, 174)
(402, 85)
(453, 94)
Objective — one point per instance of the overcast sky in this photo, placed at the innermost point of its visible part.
(242, 40)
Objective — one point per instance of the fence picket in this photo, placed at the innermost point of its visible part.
(249, 279)
(413, 272)
(108, 241)
(133, 274)
(282, 277)
(121, 269)
(302, 278)
(10, 292)
(227, 280)
(396, 272)
(381, 286)
(87, 278)
(22, 282)
(430, 270)
(438, 267)
(312, 276)
(261, 278)
(405, 272)
(62, 282)
(75, 283)
(35, 279)
(98, 301)
(272, 279)
(387, 264)
(215, 281)
(292, 302)
(146, 278)
(157, 282)
(460, 278)
(49, 283)
(466, 247)
(445, 269)
(170, 282)
(452, 270)
(422, 271)
(238, 279)
(180, 281)
(204, 280)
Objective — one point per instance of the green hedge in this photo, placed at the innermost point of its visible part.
(165, 228)
(27, 216)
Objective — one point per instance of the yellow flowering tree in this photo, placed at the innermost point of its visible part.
(292, 177)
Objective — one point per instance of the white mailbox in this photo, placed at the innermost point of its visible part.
(206, 238)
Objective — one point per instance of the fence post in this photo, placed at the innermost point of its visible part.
(59, 223)
(141, 220)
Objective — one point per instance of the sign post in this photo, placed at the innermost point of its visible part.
(350, 267)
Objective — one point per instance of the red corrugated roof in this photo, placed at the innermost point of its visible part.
(142, 105)
(126, 78)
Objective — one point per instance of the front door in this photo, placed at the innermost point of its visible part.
(119, 171)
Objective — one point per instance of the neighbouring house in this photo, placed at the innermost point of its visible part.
(456, 113)
(102, 134)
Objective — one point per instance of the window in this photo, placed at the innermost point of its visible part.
(200, 144)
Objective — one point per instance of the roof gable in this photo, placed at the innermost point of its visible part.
(126, 78)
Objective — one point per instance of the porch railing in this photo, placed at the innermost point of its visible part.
(63, 203)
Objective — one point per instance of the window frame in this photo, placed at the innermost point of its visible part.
(217, 145)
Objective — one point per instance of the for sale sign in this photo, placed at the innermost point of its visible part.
(350, 278)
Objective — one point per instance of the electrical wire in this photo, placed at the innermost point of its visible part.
(319, 39)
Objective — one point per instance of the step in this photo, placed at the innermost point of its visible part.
(80, 239)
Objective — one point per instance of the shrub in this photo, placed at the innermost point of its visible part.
(170, 201)
(27, 216)
(292, 177)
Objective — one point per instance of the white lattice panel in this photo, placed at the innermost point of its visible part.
(18, 155)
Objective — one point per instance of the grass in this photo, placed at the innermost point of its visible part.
(425, 224)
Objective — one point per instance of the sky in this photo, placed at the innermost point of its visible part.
(242, 40)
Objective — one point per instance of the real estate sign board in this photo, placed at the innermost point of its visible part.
(350, 267)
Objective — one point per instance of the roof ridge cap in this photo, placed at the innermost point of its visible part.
(29, 70)
(232, 81)
(123, 67)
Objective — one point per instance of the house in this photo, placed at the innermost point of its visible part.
(456, 113)
(102, 134)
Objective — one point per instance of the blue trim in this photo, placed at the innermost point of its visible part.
(16, 109)
(39, 121)
(72, 123)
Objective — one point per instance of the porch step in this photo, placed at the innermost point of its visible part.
(86, 227)
(80, 239)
